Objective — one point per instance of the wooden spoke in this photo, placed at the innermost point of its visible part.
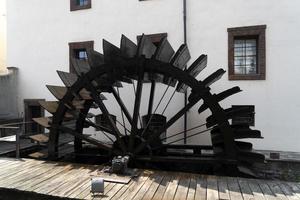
(86, 138)
(104, 110)
(122, 105)
(137, 103)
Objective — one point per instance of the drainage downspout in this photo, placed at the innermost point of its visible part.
(185, 94)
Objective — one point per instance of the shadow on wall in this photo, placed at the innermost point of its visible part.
(8, 94)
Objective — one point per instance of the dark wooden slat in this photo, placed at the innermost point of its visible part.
(221, 96)
(95, 58)
(213, 77)
(128, 48)
(145, 47)
(198, 65)
(67, 78)
(43, 121)
(57, 91)
(164, 51)
(181, 57)
(110, 51)
(80, 66)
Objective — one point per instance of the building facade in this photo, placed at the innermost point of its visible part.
(256, 42)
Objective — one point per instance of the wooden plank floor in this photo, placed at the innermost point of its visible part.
(55, 179)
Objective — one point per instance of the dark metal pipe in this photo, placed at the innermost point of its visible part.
(185, 94)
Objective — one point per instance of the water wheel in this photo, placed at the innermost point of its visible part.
(144, 140)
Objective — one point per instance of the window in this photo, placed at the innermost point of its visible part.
(246, 53)
(80, 4)
(78, 50)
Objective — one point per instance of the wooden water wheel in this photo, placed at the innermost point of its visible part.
(138, 65)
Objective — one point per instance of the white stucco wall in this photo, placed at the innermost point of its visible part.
(39, 34)
(3, 36)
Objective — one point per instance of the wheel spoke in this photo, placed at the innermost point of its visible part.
(122, 105)
(133, 85)
(101, 128)
(105, 112)
(168, 124)
(137, 104)
(198, 133)
(168, 102)
(162, 139)
(86, 138)
(149, 121)
(122, 114)
(151, 98)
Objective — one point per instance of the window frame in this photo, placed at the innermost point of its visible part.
(78, 45)
(258, 32)
(74, 6)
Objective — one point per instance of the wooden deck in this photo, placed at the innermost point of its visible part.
(32, 177)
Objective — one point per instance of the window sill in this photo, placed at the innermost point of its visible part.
(233, 77)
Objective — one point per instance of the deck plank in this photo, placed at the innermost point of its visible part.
(223, 188)
(201, 191)
(274, 187)
(234, 189)
(183, 187)
(192, 188)
(131, 191)
(294, 187)
(288, 192)
(73, 181)
(269, 195)
(158, 195)
(172, 187)
(256, 191)
(245, 189)
(212, 188)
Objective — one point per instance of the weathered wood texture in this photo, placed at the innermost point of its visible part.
(35, 179)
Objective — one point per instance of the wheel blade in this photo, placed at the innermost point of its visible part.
(214, 77)
(67, 78)
(128, 48)
(110, 51)
(164, 51)
(57, 91)
(146, 47)
(80, 66)
(50, 106)
(181, 57)
(197, 66)
(95, 59)
(221, 96)
(43, 121)
(230, 113)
